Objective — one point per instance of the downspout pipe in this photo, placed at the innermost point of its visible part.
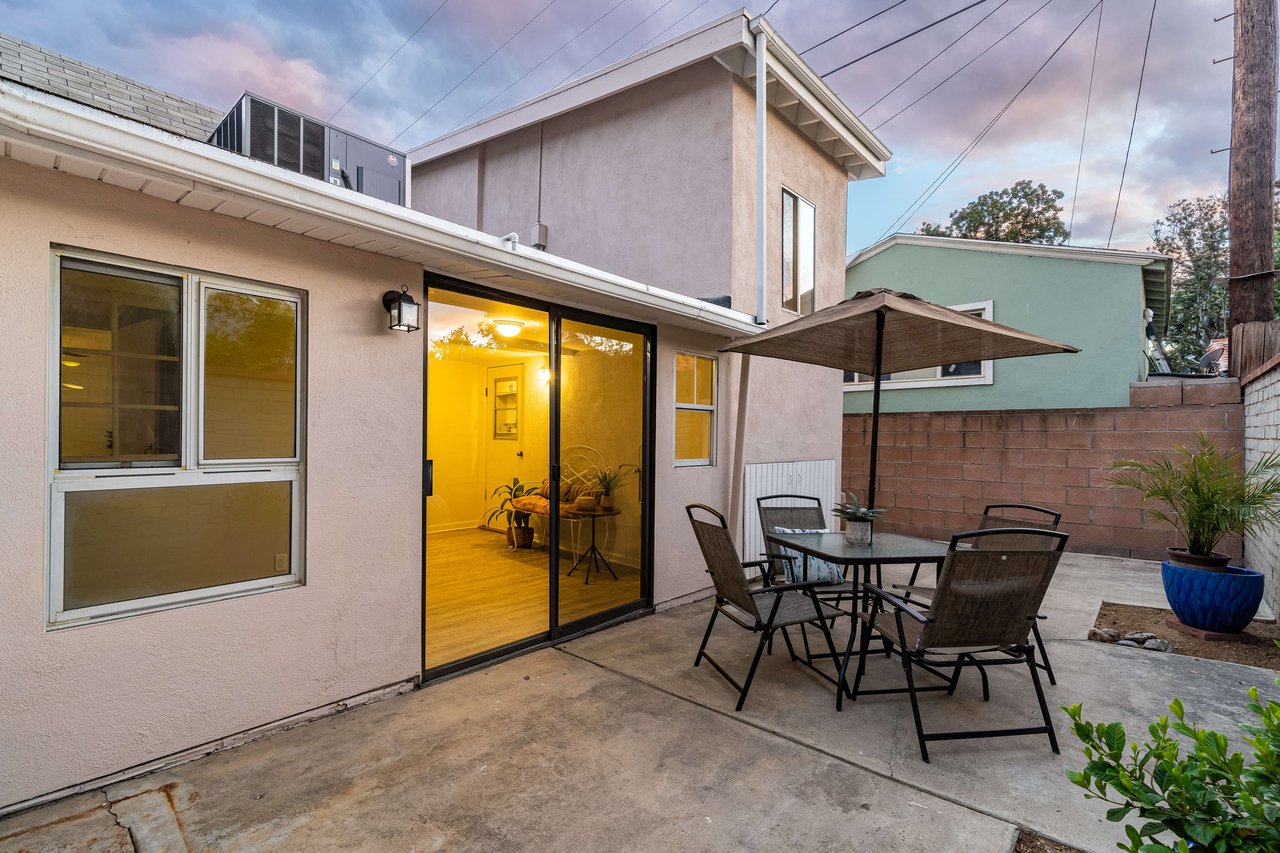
(762, 114)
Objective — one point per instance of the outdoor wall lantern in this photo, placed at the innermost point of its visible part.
(508, 328)
(402, 310)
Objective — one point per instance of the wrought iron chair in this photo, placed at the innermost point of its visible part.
(766, 610)
(985, 598)
(1012, 517)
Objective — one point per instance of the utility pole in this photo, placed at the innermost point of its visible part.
(1253, 163)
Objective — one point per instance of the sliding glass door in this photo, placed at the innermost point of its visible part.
(535, 474)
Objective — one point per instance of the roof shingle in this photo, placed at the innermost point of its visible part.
(34, 66)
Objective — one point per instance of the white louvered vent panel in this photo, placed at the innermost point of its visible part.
(816, 477)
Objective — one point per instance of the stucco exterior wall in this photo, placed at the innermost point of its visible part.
(449, 188)
(1091, 305)
(1262, 436)
(635, 184)
(84, 701)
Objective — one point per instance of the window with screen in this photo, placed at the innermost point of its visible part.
(797, 253)
(695, 410)
(963, 373)
(178, 475)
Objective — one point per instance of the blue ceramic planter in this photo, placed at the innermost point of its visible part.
(1224, 602)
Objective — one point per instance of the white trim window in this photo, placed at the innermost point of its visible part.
(695, 410)
(176, 438)
(798, 250)
(945, 376)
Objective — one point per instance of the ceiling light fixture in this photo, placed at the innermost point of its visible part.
(508, 328)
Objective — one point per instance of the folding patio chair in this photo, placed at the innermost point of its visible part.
(1011, 517)
(796, 514)
(985, 599)
(765, 611)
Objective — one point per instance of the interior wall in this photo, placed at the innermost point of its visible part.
(455, 427)
(84, 701)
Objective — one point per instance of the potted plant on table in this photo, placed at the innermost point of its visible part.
(857, 519)
(1205, 494)
(519, 533)
(610, 480)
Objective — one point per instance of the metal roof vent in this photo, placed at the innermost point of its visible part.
(267, 131)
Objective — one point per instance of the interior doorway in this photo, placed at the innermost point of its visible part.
(537, 475)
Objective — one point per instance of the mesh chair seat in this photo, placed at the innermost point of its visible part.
(913, 631)
(796, 608)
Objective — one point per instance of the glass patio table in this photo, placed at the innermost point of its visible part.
(885, 549)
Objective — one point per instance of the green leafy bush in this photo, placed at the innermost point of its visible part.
(1208, 796)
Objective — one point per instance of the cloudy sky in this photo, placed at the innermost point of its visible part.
(474, 57)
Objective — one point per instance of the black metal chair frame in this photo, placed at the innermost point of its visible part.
(828, 593)
(1043, 662)
(765, 620)
(1024, 653)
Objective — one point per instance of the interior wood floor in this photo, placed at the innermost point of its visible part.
(480, 595)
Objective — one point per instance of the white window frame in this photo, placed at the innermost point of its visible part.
(986, 377)
(710, 461)
(192, 469)
(795, 259)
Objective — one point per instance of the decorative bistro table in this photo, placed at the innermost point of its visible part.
(593, 556)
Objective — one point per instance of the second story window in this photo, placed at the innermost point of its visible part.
(797, 253)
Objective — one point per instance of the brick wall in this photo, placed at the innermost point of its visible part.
(1262, 436)
(938, 471)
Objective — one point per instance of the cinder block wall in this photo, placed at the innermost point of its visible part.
(938, 471)
(1262, 436)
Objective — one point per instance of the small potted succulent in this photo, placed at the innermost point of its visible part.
(610, 480)
(857, 519)
(519, 532)
(1206, 494)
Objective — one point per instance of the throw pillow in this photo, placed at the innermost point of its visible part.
(818, 570)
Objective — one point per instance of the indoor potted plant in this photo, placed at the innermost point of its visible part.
(1205, 494)
(609, 480)
(857, 519)
(519, 533)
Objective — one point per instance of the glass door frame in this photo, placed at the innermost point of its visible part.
(555, 632)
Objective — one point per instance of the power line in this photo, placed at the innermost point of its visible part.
(948, 78)
(1142, 72)
(539, 65)
(575, 71)
(937, 182)
(904, 38)
(1088, 100)
(388, 60)
(770, 9)
(934, 58)
(549, 4)
(678, 20)
(849, 29)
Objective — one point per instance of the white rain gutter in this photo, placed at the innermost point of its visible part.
(68, 129)
(762, 115)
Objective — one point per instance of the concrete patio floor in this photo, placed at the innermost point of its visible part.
(615, 742)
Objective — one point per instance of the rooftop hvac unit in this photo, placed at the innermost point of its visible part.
(267, 131)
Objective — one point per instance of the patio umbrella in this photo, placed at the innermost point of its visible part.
(883, 331)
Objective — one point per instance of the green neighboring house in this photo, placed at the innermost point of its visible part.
(1100, 300)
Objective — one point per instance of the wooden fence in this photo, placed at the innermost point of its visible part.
(1253, 345)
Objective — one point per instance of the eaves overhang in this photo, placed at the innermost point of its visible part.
(50, 132)
(794, 89)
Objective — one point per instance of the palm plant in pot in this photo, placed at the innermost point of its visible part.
(519, 533)
(610, 480)
(1206, 494)
(858, 519)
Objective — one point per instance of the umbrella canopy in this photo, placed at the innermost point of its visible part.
(883, 331)
(916, 334)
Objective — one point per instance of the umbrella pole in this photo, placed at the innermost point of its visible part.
(875, 412)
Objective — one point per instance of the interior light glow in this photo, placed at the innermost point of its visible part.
(508, 328)
(72, 387)
(71, 363)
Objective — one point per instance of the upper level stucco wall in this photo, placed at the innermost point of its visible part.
(637, 183)
(449, 188)
(1091, 305)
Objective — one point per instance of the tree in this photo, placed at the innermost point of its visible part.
(1022, 213)
(1194, 233)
